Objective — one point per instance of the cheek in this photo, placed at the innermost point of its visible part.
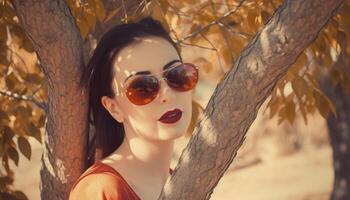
(128, 109)
(188, 99)
(187, 104)
(137, 115)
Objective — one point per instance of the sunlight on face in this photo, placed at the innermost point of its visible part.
(150, 53)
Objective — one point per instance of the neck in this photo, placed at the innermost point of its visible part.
(152, 156)
(142, 154)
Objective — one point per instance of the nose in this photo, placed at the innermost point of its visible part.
(166, 93)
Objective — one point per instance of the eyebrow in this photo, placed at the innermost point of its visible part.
(149, 72)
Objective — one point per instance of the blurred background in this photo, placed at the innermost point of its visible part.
(296, 149)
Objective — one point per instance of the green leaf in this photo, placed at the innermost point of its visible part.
(24, 147)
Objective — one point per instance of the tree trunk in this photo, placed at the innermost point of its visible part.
(339, 134)
(58, 44)
(237, 99)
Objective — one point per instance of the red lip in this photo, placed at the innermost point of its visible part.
(171, 116)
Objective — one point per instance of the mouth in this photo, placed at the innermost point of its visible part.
(171, 116)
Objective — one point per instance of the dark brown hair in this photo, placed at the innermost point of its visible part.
(97, 78)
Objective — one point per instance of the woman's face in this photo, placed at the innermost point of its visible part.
(151, 53)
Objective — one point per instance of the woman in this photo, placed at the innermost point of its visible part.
(140, 101)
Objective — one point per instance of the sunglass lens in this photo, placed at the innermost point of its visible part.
(183, 77)
(142, 90)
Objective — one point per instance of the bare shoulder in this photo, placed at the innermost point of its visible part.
(97, 186)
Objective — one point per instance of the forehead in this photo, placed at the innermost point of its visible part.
(148, 53)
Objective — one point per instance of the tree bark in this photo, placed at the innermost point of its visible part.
(237, 99)
(339, 134)
(58, 44)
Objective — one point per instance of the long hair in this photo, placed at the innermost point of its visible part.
(97, 78)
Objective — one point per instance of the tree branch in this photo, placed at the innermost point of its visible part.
(237, 99)
(14, 95)
(193, 34)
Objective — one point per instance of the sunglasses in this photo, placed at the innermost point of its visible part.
(143, 89)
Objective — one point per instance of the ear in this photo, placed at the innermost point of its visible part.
(113, 108)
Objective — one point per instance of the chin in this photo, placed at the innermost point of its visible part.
(169, 135)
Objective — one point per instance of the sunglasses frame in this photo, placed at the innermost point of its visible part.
(164, 73)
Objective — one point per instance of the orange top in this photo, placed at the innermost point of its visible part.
(108, 184)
